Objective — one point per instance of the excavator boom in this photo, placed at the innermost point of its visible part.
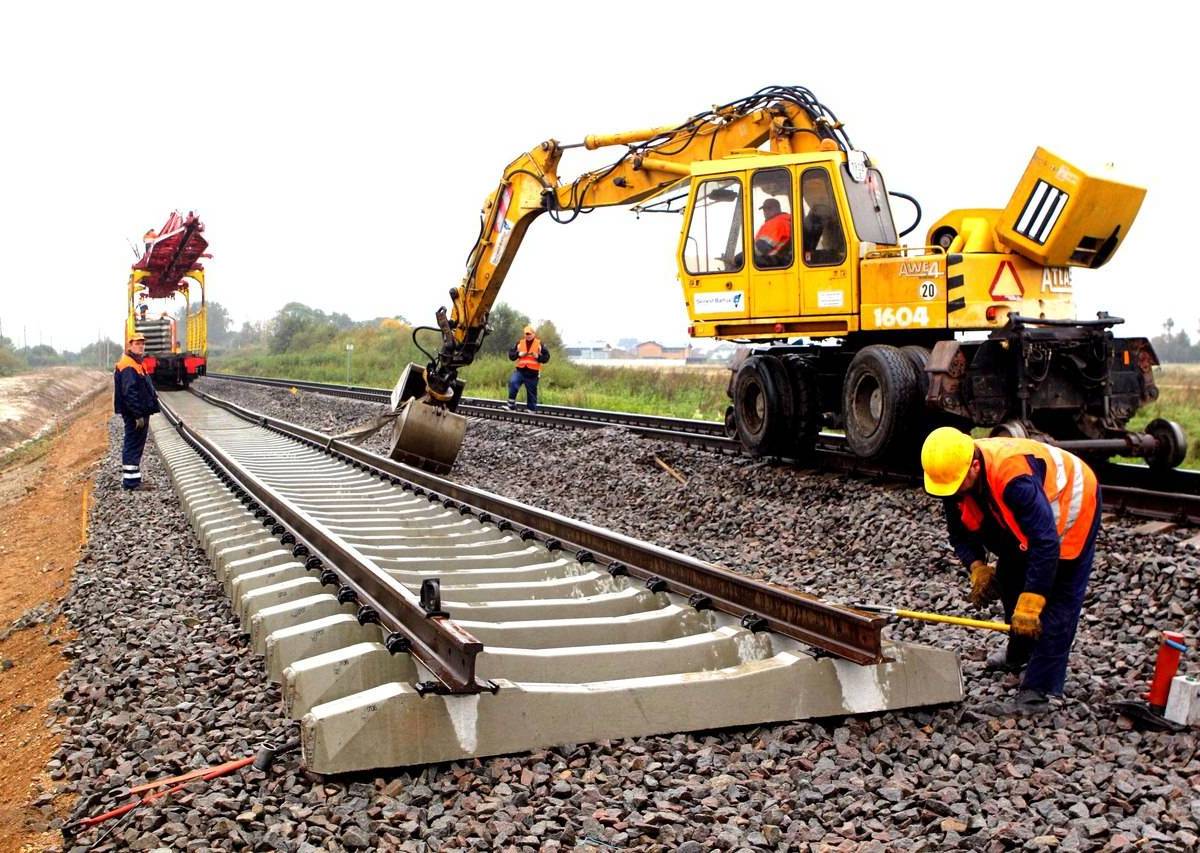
(655, 160)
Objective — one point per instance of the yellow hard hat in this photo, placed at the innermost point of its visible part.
(946, 457)
(136, 336)
(529, 330)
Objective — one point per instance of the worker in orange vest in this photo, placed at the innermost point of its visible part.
(530, 354)
(135, 400)
(1037, 509)
(773, 240)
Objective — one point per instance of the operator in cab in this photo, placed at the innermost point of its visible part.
(1036, 509)
(135, 400)
(773, 240)
(530, 354)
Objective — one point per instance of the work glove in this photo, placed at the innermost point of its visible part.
(983, 587)
(139, 423)
(1027, 617)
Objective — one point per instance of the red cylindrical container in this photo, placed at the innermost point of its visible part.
(1165, 669)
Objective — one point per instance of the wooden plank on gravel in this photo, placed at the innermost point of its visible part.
(1154, 528)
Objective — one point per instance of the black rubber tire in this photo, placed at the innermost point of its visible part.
(730, 423)
(806, 406)
(919, 356)
(759, 411)
(879, 395)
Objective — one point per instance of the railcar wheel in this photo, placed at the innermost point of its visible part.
(878, 397)
(1172, 444)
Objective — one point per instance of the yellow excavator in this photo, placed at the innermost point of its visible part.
(789, 245)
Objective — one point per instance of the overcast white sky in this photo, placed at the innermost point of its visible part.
(339, 153)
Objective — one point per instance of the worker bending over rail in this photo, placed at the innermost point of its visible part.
(1037, 509)
(530, 354)
(135, 400)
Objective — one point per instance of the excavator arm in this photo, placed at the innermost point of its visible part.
(655, 160)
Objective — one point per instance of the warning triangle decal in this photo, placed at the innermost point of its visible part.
(1006, 286)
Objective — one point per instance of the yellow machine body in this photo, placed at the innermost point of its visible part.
(983, 271)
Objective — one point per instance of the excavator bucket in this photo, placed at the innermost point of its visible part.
(426, 433)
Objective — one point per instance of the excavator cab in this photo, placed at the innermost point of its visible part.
(770, 244)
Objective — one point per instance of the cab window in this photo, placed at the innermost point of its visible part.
(869, 208)
(714, 236)
(824, 239)
(771, 191)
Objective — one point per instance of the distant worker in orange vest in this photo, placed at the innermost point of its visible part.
(1037, 509)
(530, 354)
(773, 241)
(135, 400)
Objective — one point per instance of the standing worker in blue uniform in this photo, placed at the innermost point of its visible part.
(135, 400)
(1037, 509)
(530, 354)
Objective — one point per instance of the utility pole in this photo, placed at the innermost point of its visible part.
(349, 356)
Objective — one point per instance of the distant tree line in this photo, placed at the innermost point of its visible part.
(295, 328)
(14, 359)
(1174, 345)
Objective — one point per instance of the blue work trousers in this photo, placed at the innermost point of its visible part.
(530, 381)
(1047, 655)
(131, 453)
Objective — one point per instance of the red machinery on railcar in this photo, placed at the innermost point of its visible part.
(169, 266)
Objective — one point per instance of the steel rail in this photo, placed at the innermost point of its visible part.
(1130, 489)
(445, 649)
(830, 628)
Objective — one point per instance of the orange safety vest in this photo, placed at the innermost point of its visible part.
(128, 361)
(778, 230)
(1070, 487)
(528, 358)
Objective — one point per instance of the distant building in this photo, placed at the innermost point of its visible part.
(627, 344)
(653, 349)
(588, 350)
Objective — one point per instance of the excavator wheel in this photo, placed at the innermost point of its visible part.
(1172, 444)
(879, 396)
(760, 409)
(806, 406)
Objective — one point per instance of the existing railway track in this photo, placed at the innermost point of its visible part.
(1134, 490)
(411, 619)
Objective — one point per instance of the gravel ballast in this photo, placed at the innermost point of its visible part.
(162, 682)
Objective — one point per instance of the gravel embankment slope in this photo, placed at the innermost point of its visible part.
(162, 681)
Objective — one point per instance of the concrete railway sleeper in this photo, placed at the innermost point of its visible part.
(575, 649)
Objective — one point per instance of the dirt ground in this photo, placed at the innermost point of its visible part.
(42, 497)
(31, 402)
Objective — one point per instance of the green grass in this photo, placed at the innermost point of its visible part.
(1179, 401)
(380, 355)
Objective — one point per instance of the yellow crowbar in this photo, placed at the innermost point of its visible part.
(925, 616)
